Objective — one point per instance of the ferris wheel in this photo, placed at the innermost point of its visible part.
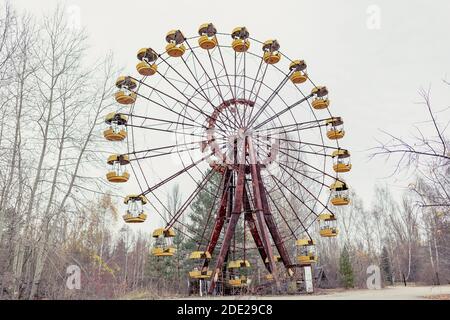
(228, 113)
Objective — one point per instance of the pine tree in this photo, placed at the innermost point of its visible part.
(201, 221)
(386, 266)
(200, 210)
(345, 269)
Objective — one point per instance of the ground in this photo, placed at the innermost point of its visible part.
(388, 293)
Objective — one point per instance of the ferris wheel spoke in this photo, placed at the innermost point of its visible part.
(236, 66)
(222, 131)
(189, 200)
(165, 147)
(163, 154)
(302, 173)
(207, 75)
(306, 189)
(284, 132)
(203, 68)
(234, 125)
(310, 143)
(281, 215)
(193, 106)
(133, 115)
(225, 69)
(293, 150)
(244, 70)
(165, 107)
(219, 92)
(309, 165)
(241, 75)
(261, 82)
(284, 111)
(165, 220)
(255, 80)
(166, 130)
(268, 101)
(203, 93)
(299, 124)
(307, 152)
(176, 174)
(290, 204)
(217, 89)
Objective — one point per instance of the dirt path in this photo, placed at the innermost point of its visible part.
(389, 293)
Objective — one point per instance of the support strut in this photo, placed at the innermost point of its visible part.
(237, 209)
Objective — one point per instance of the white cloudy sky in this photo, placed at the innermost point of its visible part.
(373, 74)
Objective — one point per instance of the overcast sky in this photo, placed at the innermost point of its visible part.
(373, 56)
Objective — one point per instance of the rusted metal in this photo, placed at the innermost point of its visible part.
(220, 219)
(248, 214)
(237, 209)
(259, 211)
(268, 217)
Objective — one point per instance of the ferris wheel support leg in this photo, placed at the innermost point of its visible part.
(237, 209)
(254, 167)
(254, 230)
(268, 217)
(220, 220)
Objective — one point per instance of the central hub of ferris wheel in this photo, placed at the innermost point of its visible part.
(209, 93)
(237, 134)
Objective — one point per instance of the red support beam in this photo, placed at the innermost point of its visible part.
(220, 219)
(268, 217)
(254, 230)
(254, 168)
(237, 209)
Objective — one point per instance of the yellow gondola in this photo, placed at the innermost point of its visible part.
(175, 47)
(163, 244)
(146, 69)
(200, 255)
(200, 274)
(147, 66)
(116, 130)
(239, 270)
(117, 174)
(135, 212)
(207, 39)
(328, 225)
(237, 264)
(163, 252)
(299, 75)
(321, 100)
(271, 53)
(125, 95)
(240, 282)
(341, 159)
(335, 128)
(305, 252)
(339, 191)
(162, 232)
(240, 37)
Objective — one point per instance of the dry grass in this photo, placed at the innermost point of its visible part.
(438, 297)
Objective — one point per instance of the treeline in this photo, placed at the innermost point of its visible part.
(51, 104)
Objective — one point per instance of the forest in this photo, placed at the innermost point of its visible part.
(55, 211)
